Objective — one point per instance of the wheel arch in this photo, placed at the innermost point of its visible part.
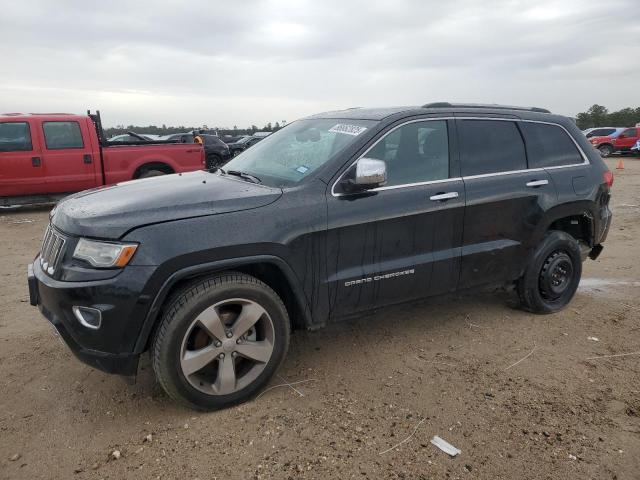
(577, 219)
(153, 165)
(272, 270)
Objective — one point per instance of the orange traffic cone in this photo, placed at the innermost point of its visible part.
(620, 165)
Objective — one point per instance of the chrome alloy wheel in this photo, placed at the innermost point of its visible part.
(227, 346)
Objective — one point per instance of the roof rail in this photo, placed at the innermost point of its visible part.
(480, 105)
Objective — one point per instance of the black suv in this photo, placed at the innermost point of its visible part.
(242, 144)
(330, 217)
(215, 150)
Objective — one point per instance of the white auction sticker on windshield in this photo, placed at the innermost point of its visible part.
(347, 129)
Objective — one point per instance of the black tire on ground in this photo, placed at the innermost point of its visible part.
(214, 161)
(552, 277)
(605, 150)
(176, 330)
(151, 173)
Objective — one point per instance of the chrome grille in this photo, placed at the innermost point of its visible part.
(52, 250)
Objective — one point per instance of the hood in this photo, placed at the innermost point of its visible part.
(110, 212)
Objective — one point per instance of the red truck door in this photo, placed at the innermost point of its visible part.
(21, 171)
(627, 139)
(67, 156)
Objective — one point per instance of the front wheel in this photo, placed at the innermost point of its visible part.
(220, 341)
(552, 277)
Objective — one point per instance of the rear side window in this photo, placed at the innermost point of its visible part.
(59, 135)
(602, 132)
(630, 133)
(15, 137)
(490, 146)
(549, 146)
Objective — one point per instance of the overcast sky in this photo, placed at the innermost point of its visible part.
(251, 62)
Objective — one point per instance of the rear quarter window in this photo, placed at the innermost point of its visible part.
(61, 135)
(549, 146)
(490, 146)
(15, 137)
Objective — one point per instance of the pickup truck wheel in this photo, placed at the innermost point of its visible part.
(552, 277)
(151, 173)
(220, 341)
(605, 150)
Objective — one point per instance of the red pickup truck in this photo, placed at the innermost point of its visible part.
(44, 156)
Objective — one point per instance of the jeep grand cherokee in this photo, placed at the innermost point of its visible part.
(332, 216)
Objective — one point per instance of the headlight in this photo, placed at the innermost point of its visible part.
(104, 254)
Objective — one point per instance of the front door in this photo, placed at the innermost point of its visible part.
(67, 156)
(20, 161)
(400, 241)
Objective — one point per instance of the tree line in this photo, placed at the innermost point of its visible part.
(165, 130)
(599, 116)
(595, 116)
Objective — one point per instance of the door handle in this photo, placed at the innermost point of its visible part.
(441, 197)
(35, 161)
(86, 158)
(537, 183)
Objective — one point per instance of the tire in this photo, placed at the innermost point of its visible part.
(214, 161)
(187, 337)
(553, 274)
(151, 173)
(605, 150)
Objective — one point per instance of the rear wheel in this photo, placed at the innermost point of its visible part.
(605, 150)
(220, 341)
(552, 277)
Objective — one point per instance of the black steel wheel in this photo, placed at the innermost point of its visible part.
(552, 277)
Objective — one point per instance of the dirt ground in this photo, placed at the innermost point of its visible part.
(439, 368)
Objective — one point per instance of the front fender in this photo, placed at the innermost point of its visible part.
(213, 267)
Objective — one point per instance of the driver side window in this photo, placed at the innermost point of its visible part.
(415, 152)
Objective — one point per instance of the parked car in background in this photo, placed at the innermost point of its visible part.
(620, 141)
(186, 137)
(600, 131)
(243, 144)
(46, 156)
(215, 150)
(232, 138)
(130, 137)
(331, 217)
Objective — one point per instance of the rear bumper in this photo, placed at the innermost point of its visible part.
(109, 348)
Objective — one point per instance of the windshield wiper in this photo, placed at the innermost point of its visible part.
(244, 175)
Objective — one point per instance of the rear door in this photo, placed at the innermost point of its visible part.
(67, 156)
(20, 161)
(504, 200)
(401, 241)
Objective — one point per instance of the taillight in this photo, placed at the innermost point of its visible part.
(608, 178)
(203, 159)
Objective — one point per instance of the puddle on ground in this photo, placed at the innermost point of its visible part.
(604, 284)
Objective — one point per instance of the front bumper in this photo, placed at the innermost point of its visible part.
(111, 347)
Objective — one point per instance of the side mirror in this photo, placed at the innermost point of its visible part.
(369, 173)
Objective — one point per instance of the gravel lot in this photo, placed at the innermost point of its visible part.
(439, 368)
